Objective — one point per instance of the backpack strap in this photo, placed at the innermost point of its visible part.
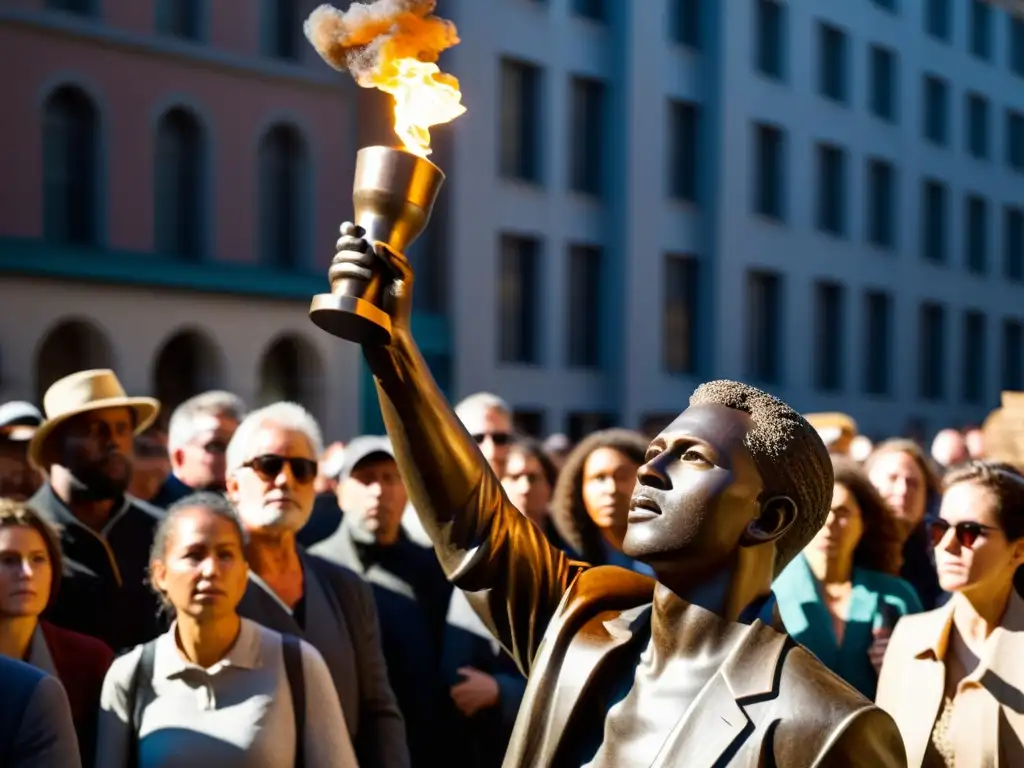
(141, 680)
(291, 648)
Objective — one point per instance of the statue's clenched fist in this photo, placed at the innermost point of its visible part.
(356, 258)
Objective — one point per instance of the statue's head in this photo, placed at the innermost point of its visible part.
(738, 469)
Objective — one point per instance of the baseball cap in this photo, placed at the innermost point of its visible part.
(19, 420)
(361, 448)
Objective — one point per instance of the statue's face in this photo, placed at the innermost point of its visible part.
(697, 492)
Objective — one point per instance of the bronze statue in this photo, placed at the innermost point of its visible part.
(625, 670)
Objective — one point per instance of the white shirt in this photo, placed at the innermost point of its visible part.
(236, 713)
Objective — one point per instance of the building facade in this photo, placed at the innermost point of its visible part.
(824, 199)
(174, 175)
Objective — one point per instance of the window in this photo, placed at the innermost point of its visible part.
(937, 19)
(769, 171)
(584, 303)
(977, 126)
(881, 203)
(1013, 243)
(590, 9)
(586, 136)
(529, 422)
(684, 150)
(179, 199)
(828, 336)
(70, 178)
(831, 190)
(980, 29)
(1015, 140)
(770, 43)
(832, 63)
(679, 314)
(976, 234)
(1013, 355)
(877, 342)
(974, 357)
(686, 19)
(884, 80)
(81, 7)
(582, 423)
(936, 110)
(520, 121)
(764, 326)
(281, 24)
(282, 179)
(1016, 46)
(934, 213)
(178, 18)
(518, 305)
(932, 351)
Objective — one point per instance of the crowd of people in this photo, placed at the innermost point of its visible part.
(231, 591)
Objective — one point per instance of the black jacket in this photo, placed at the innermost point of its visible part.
(104, 590)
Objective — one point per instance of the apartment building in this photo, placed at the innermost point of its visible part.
(824, 199)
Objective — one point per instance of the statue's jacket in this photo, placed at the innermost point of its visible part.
(571, 628)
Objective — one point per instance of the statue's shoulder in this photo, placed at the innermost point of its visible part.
(805, 679)
(830, 718)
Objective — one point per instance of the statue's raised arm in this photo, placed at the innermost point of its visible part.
(481, 540)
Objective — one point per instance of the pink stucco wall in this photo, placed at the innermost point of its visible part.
(132, 86)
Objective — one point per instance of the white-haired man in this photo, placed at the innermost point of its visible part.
(488, 419)
(197, 438)
(271, 468)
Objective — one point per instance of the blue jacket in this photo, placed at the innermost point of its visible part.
(808, 621)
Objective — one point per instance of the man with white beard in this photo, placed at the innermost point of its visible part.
(271, 468)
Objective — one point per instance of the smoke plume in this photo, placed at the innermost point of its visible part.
(368, 38)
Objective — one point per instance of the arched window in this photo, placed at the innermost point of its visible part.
(187, 363)
(291, 369)
(69, 347)
(178, 18)
(282, 177)
(279, 29)
(70, 161)
(178, 189)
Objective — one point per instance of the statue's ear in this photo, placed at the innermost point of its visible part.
(776, 517)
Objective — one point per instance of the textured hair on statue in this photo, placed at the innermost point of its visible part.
(789, 455)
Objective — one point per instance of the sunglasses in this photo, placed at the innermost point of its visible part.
(498, 438)
(269, 466)
(966, 533)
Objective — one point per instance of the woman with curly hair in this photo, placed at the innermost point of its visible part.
(841, 597)
(910, 484)
(590, 505)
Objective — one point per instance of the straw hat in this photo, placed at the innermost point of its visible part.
(83, 392)
(832, 427)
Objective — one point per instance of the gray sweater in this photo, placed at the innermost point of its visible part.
(236, 713)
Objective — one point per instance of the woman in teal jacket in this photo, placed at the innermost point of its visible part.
(841, 597)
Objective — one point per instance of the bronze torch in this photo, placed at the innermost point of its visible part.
(393, 196)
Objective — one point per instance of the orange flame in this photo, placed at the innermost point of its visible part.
(424, 96)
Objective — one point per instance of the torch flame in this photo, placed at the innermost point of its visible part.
(424, 96)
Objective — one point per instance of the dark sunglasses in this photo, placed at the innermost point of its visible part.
(966, 533)
(498, 438)
(268, 467)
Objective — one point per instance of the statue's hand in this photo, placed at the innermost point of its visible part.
(356, 258)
